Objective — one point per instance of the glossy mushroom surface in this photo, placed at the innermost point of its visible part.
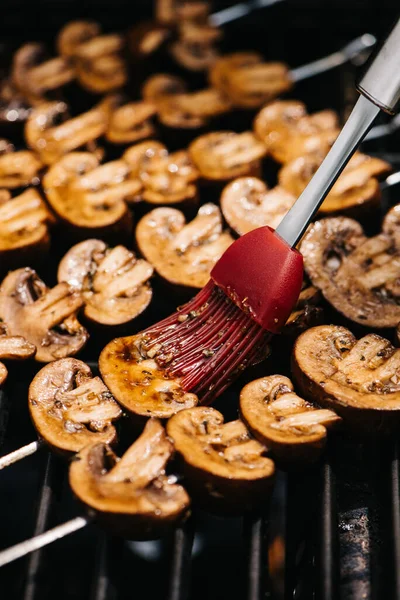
(131, 122)
(356, 274)
(132, 496)
(114, 283)
(306, 313)
(183, 253)
(70, 408)
(13, 347)
(225, 468)
(358, 379)
(293, 429)
(18, 168)
(44, 317)
(138, 383)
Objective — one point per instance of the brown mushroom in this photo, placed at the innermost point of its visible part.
(99, 65)
(195, 47)
(146, 38)
(292, 429)
(70, 408)
(172, 11)
(132, 496)
(138, 383)
(162, 86)
(247, 203)
(18, 169)
(45, 317)
(90, 197)
(183, 254)
(52, 140)
(24, 229)
(306, 313)
(13, 347)
(356, 188)
(224, 155)
(224, 467)
(289, 132)
(113, 282)
(74, 34)
(358, 379)
(192, 110)
(131, 122)
(359, 276)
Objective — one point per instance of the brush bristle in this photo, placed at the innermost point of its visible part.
(207, 343)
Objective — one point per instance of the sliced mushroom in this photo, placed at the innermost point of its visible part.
(358, 379)
(47, 131)
(247, 203)
(171, 11)
(147, 38)
(181, 253)
(356, 187)
(74, 34)
(306, 313)
(162, 86)
(359, 276)
(248, 81)
(192, 110)
(24, 229)
(45, 317)
(70, 408)
(131, 122)
(138, 383)
(89, 197)
(293, 429)
(224, 467)
(195, 47)
(289, 132)
(131, 496)
(13, 347)
(114, 283)
(223, 155)
(99, 65)
(18, 169)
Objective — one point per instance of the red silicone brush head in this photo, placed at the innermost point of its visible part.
(262, 275)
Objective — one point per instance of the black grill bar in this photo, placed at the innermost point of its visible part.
(327, 554)
(395, 491)
(179, 583)
(255, 533)
(102, 588)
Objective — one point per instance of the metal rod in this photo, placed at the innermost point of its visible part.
(255, 531)
(396, 519)
(391, 180)
(237, 11)
(179, 583)
(23, 452)
(328, 550)
(383, 130)
(350, 51)
(35, 543)
(101, 588)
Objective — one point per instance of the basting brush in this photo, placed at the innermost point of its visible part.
(255, 285)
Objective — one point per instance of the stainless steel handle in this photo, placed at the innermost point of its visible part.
(381, 83)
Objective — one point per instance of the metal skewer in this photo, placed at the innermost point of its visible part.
(237, 11)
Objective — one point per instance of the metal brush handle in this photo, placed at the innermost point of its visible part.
(381, 83)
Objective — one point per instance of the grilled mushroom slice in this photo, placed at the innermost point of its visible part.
(192, 110)
(138, 383)
(70, 408)
(181, 253)
(162, 86)
(357, 186)
(99, 66)
(358, 379)
(247, 203)
(359, 276)
(13, 347)
(47, 131)
(224, 155)
(90, 197)
(114, 283)
(247, 80)
(289, 132)
(131, 496)
(131, 122)
(74, 34)
(293, 429)
(306, 313)
(147, 38)
(18, 169)
(45, 317)
(24, 228)
(225, 468)
(195, 47)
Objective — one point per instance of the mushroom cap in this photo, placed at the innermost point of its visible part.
(70, 408)
(131, 122)
(247, 203)
(194, 47)
(356, 274)
(358, 379)
(293, 429)
(114, 283)
(162, 86)
(45, 317)
(75, 33)
(138, 383)
(131, 496)
(224, 467)
(223, 155)
(18, 169)
(183, 254)
(13, 348)
(306, 313)
(192, 110)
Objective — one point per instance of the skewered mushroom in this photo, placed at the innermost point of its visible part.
(131, 496)
(74, 34)
(195, 47)
(357, 275)
(224, 467)
(114, 283)
(138, 383)
(131, 122)
(70, 408)
(183, 254)
(13, 347)
(45, 317)
(18, 169)
(293, 429)
(358, 379)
